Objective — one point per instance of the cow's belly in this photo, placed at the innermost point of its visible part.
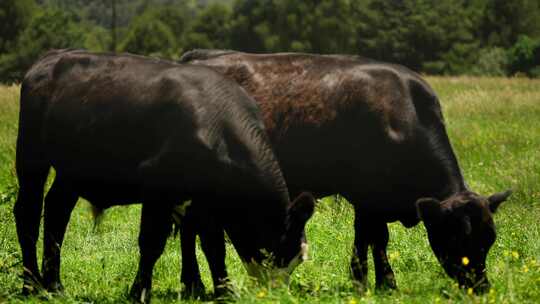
(107, 180)
(105, 194)
(346, 168)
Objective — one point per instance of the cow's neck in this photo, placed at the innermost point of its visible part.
(449, 179)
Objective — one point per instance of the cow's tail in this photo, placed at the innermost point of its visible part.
(32, 168)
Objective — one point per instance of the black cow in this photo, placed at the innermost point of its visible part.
(122, 129)
(374, 133)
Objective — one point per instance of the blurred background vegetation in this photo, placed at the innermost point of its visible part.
(449, 37)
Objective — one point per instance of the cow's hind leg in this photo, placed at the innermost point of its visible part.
(384, 276)
(191, 276)
(213, 245)
(27, 212)
(359, 262)
(156, 224)
(212, 236)
(59, 203)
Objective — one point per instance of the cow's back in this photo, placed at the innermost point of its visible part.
(120, 123)
(342, 124)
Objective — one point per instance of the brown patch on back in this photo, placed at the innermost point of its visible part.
(289, 90)
(313, 91)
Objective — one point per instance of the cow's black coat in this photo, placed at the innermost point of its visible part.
(374, 133)
(122, 129)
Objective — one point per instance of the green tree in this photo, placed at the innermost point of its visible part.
(424, 35)
(321, 26)
(504, 21)
(211, 29)
(49, 29)
(148, 34)
(14, 17)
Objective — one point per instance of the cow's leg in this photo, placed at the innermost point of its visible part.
(27, 212)
(359, 262)
(191, 276)
(59, 203)
(212, 238)
(384, 276)
(156, 226)
(213, 245)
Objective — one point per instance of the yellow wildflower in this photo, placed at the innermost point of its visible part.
(525, 268)
(465, 261)
(261, 294)
(394, 255)
(515, 254)
(470, 291)
(352, 301)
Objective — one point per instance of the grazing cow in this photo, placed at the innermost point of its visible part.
(374, 133)
(121, 129)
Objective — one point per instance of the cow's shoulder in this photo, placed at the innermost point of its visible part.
(397, 97)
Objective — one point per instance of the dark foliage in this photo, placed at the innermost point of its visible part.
(480, 37)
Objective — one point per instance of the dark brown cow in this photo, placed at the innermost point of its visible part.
(122, 129)
(374, 133)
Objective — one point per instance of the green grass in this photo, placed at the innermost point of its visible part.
(494, 125)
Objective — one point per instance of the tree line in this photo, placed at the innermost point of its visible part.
(476, 37)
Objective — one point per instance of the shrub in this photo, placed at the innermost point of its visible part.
(524, 56)
(491, 62)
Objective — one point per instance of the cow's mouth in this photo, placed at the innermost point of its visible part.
(478, 282)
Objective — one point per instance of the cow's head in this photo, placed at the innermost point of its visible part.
(461, 231)
(282, 247)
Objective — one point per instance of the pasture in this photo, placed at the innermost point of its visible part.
(494, 126)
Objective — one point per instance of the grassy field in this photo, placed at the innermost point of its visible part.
(494, 125)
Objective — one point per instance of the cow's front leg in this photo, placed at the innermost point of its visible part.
(359, 263)
(191, 276)
(156, 226)
(384, 276)
(59, 203)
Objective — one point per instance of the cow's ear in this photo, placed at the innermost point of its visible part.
(428, 209)
(302, 208)
(496, 199)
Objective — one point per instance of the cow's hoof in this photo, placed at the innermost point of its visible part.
(55, 287)
(139, 295)
(193, 291)
(388, 284)
(30, 290)
(31, 286)
(360, 287)
(223, 292)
